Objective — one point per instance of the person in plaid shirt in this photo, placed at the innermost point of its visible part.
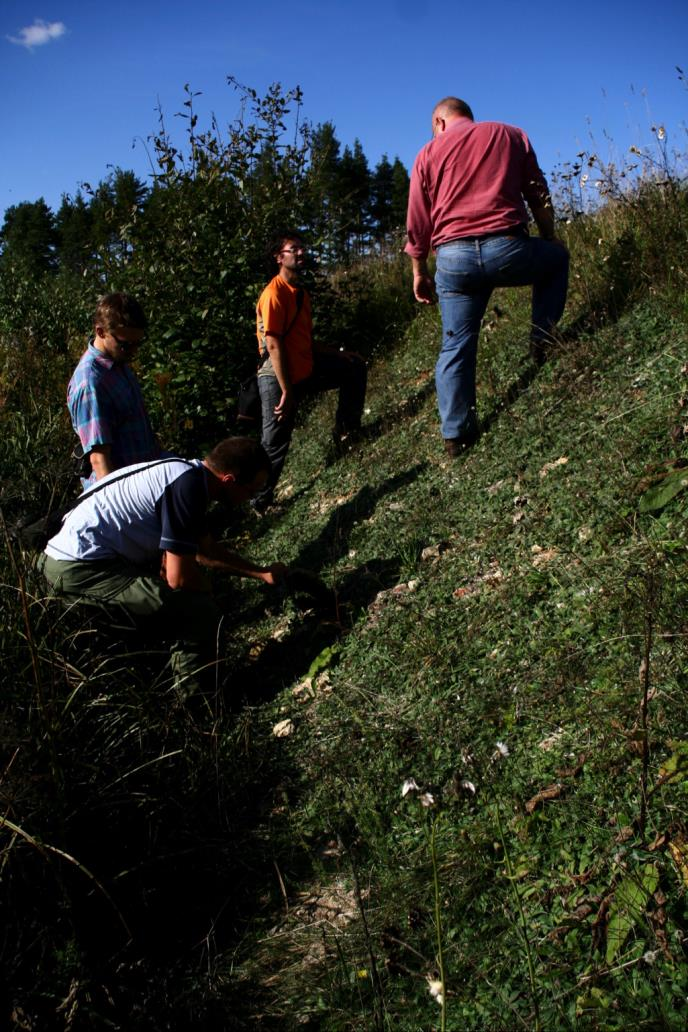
(104, 397)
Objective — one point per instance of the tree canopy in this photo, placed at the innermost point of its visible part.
(190, 245)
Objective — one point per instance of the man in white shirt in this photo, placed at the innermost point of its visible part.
(107, 553)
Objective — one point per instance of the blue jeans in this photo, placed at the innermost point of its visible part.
(467, 272)
(331, 371)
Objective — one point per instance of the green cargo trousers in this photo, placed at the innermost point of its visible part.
(189, 620)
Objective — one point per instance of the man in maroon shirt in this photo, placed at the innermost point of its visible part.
(469, 189)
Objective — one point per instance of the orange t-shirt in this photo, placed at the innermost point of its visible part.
(275, 313)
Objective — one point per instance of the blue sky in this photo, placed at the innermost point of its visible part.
(81, 81)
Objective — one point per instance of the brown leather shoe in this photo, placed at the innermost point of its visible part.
(457, 446)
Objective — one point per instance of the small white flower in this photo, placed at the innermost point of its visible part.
(500, 753)
(468, 786)
(661, 133)
(584, 178)
(435, 989)
(409, 785)
(650, 956)
(427, 799)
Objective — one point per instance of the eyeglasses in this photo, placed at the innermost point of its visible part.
(124, 343)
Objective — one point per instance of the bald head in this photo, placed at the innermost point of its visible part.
(452, 107)
(446, 111)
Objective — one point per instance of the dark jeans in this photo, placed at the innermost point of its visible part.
(331, 371)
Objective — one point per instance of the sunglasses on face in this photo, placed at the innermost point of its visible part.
(124, 343)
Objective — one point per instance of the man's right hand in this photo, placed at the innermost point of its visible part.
(285, 405)
(274, 574)
(424, 288)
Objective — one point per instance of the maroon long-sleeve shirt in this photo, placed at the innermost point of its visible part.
(471, 180)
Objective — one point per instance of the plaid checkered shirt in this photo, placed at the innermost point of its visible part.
(106, 407)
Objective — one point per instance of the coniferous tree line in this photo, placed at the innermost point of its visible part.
(191, 245)
(354, 210)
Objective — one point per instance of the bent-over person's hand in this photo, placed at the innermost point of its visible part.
(274, 574)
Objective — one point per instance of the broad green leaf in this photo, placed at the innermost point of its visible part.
(593, 1000)
(620, 924)
(323, 660)
(659, 495)
(631, 899)
(677, 764)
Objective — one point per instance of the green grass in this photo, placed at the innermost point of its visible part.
(527, 625)
(518, 595)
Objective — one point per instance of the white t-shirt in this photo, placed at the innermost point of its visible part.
(154, 508)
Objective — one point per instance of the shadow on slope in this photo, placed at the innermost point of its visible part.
(333, 540)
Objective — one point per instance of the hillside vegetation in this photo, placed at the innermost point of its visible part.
(514, 642)
(448, 792)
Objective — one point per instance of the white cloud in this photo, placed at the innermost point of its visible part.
(38, 34)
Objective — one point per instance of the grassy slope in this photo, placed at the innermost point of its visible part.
(527, 625)
(528, 621)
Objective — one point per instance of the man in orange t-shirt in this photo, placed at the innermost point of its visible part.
(292, 366)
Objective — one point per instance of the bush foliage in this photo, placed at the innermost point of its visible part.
(192, 248)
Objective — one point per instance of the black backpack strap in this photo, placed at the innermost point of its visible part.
(299, 305)
(122, 476)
